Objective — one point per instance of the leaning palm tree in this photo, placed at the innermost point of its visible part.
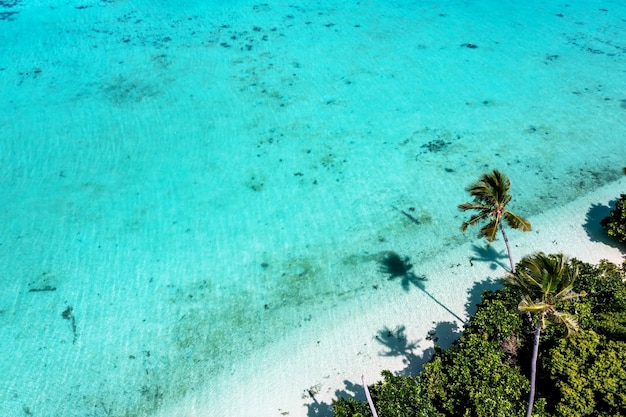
(491, 195)
(546, 282)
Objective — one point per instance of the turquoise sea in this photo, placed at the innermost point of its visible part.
(186, 184)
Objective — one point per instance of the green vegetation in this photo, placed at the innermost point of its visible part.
(484, 373)
(615, 224)
(491, 195)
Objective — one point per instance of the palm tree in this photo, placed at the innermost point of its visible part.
(546, 282)
(491, 195)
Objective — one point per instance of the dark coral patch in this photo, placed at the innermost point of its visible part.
(9, 3)
(8, 15)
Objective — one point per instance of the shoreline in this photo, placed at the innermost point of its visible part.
(301, 374)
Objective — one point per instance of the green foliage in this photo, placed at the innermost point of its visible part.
(495, 319)
(475, 379)
(604, 285)
(608, 378)
(615, 223)
(478, 377)
(588, 374)
(612, 325)
(401, 396)
(565, 364)
(484, 373)
(350, 408)
(604, 307)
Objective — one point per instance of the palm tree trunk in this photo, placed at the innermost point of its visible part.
(369, 397)
(533, 369)
(508, 247)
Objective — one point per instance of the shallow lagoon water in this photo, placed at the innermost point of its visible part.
(187, 184)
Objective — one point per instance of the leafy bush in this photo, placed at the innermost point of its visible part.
(588, 374)
(495, 319)
(350, 407)
(604, 307)
(478, 377)
(475, 379)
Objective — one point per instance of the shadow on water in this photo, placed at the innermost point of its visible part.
(398, 267)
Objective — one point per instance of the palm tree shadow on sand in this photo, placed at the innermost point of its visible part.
(488, 254)
(323, 409)
(397, 344)
(398, 267)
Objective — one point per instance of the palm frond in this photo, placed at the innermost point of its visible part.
(554, 277)
(522, 281)
(474, 219)
(517, 222)
(549, 284)
(526, 278)
(489, 231)
(568, 294)
(513, 279)
(566, 319)
(492, 188)
(474, 206)
(527, 305)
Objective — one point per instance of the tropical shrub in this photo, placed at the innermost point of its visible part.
(588, 375)
(604, 285)
(585, 375)
(494, 318)
(475, 379)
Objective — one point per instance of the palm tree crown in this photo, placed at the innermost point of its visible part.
(546, 281)
(491, 195)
